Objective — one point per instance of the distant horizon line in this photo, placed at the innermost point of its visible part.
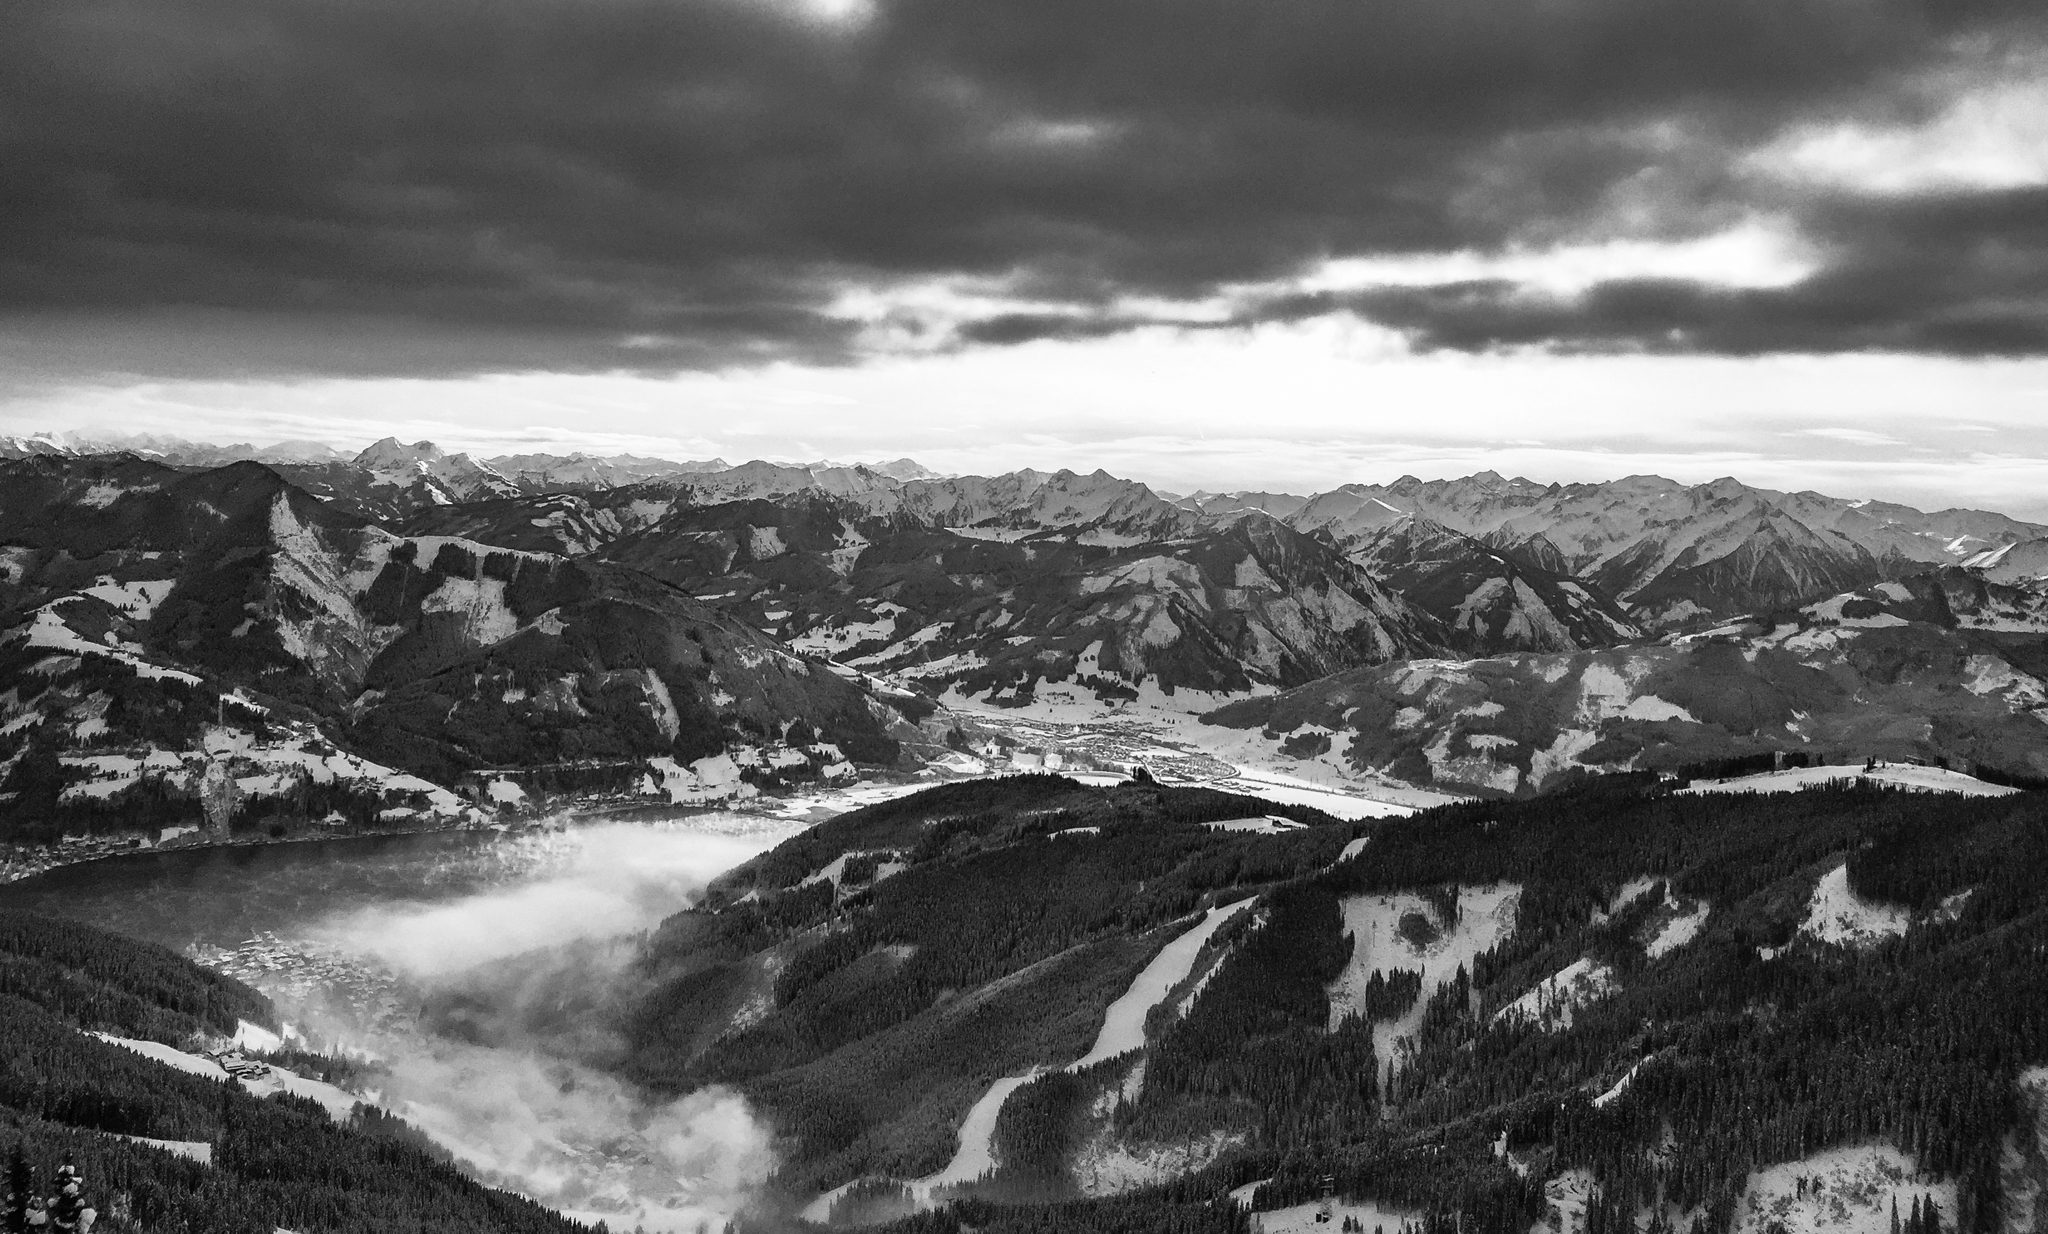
(86, 442)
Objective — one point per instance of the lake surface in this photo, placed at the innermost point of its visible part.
(353, 937)
(224, 895)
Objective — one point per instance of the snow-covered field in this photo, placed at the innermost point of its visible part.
(1161, 733)
(1629, 892)
(338, 1102)
(1681, 929)
(1847, 1191)
(1265, 825)
(1551, 1005)
(1301, 1218)
(1897, 775)
(815, 807)
(295, 753)
(1565, 1198)
(191, 1150)
(1486, 915)
(1836, 914)
(1107, 1168)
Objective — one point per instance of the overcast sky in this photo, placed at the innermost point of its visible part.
(1218, 243)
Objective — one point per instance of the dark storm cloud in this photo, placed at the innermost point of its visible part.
(455, 185)
(1959, 275)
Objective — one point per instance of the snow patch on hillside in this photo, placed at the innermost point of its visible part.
(169, 1056)
(260, 769)
(713, 778)
(1606, 691)
(190, 1150)
(1376, 1218)
(480, 603)
(1992, 675)
(1650, 707)
(1478, 766)
(1550, 1006)
(1836, 914)
(1898, 775)
(137, 600)
(837, 636)
(1263, 825)
(1565, 1200)
(1105, 1168)
(1486, 916)
(1613, 1094)
(48, 631)
(847, 553)
(834, 871)
(1563, 752)
(1327, 781)
(1847, 1191)
(1678, 931)
(1628, 893)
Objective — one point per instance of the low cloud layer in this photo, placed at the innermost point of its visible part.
(579, 1140)
(518, 978)
(576, 886)
(443, 188)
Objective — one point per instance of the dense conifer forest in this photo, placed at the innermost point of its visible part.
(1750, 1042)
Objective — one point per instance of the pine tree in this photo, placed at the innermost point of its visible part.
(21, 1183)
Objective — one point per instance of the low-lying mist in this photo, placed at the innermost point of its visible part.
(584, 883)
(517, 983)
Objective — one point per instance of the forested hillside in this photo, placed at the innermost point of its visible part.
(275, 1162)
(868, 979)
(1609, 1009)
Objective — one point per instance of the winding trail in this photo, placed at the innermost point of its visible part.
(976, 1154)
(1123, 1025)
(1123, 1030)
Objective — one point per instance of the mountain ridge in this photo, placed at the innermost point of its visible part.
(360, 600)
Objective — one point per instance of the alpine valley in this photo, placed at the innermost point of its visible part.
(408, 638)
(407, 841)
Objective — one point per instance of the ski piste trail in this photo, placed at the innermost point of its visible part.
(1123, 1030)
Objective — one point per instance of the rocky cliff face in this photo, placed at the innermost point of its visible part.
(1488, 599)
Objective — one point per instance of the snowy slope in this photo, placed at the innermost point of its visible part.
(1486, 916)
(1836, 914)
(1850, 1190)
(1886, 673)
(1678, 553)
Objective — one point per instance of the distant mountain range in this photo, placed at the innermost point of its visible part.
(686, 629)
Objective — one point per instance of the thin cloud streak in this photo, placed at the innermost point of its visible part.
(1288, 409)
